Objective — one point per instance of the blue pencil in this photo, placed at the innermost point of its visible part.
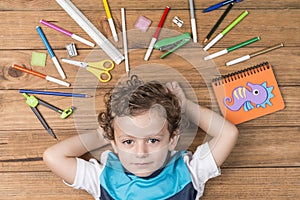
(54, 93)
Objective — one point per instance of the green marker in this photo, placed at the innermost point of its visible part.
(225, 51)
(226, 30)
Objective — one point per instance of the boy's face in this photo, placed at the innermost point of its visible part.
(142, 142)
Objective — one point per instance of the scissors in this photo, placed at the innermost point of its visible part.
(100, 69)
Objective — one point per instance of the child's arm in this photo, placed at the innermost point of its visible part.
(61, 157)
(224, 134)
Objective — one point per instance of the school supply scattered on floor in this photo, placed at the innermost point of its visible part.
(257, 53)
(172, 44)
(177, 21)
(219, 5)
(248, 94)
(38, 59)
(127, 69)
(214, 28)
(226, 30)
(156, 34)
(193, 21)
(227, 50)
(50, 51)
(64, 94)
(33, 102)
(100, 69)
(110, 21)
(44, 76)
(142, 23)
(91, 30)
(63, 31)
(71, 50)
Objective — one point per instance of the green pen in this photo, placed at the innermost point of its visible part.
(225, 51)
(226, 30)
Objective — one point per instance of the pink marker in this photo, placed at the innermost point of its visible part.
(72, 35)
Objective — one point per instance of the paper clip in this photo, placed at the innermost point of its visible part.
(172, 44)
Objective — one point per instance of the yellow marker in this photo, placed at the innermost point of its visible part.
(110, 21)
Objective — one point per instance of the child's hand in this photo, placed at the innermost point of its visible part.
(175, 89)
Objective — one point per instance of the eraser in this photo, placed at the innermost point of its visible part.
(38, 59)
(143, 23)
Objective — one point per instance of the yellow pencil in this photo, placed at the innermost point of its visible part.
(110, 21)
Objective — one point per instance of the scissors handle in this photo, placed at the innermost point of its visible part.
(106, 65)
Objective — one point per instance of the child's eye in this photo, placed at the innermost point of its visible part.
(153, 140)
(128, 142)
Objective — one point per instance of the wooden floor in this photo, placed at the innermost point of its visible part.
(265, 163)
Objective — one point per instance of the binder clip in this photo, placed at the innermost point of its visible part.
(33, 102)
(172, 44)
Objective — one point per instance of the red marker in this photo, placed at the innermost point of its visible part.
(44, 76)
(155, 36)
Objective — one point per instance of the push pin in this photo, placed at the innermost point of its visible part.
(177, 21)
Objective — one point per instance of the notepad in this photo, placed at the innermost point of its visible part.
(248, 94)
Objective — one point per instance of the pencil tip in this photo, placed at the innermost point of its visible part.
(205, 40)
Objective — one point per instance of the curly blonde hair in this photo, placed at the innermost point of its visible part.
(136, 97)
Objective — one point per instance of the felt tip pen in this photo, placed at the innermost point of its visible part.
(110, 21)
(156, 34)
(225, 51)
(44, 76)
(247, 57)
(218, 23)
(50, 51)
(226, 30)
(193, 21)
(127, 68)
(63, 31)
(219, 5)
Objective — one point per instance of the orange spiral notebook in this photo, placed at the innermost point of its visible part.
(248, 94)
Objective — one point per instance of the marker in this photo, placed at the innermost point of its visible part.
(193, 21)
(247, 57)
(63, 31)
(64, 94)
(219, 5)
(50, 51)
(44, 76)
(225, 51)
(110, 21)
(155, 36)
(125, 41)
(218, 23)
(226, 30)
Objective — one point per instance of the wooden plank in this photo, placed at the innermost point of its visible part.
(138, 5)
(253, 183)
(256, 147)
(14, 109)
(185, 63)
(24, 36)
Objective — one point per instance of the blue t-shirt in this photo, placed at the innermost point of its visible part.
(182, 178)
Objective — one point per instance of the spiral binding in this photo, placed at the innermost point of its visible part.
(223, 79)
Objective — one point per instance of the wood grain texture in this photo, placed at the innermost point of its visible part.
(265, 162)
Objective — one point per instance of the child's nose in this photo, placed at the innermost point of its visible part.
(141, 149)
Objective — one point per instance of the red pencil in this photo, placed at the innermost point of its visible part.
(155, 36)
(44, 76)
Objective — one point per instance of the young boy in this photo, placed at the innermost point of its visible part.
(142, 123)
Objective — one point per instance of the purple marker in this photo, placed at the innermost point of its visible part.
(72, 35)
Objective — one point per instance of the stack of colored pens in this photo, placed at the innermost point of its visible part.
(209, 43)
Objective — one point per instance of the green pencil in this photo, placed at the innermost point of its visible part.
(226, 30)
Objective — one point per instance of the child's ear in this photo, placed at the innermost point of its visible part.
(173, 141)
(113, 144)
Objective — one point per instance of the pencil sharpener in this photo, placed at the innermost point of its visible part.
(71, 49)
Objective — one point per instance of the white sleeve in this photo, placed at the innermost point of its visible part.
(202, 166)
(88, 176)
